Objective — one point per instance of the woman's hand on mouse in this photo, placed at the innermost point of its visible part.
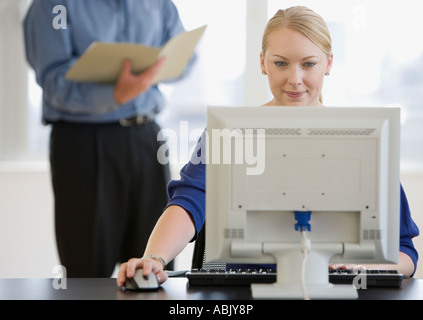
(127, 269)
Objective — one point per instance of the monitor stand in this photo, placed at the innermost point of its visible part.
(288, 284)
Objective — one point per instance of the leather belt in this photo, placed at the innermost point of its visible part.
(136, 121)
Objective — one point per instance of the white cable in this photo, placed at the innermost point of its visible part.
(305, 248)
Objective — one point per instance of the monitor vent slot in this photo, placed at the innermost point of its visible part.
(314, 131)
(340, 132)
(369, 234)
(234, 233)
(283, 131)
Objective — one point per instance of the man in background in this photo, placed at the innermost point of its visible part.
(109, 187)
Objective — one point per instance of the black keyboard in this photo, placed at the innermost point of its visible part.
(245, 277)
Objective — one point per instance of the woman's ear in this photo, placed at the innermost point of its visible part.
(330, 63)
(263, 69)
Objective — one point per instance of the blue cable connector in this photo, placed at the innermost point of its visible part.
(303, 218)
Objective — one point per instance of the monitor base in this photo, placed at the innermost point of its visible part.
(315, 277)
(293, 291)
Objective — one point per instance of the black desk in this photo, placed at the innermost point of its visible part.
(173, 289)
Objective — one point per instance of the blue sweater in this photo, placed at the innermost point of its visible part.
(190, 193)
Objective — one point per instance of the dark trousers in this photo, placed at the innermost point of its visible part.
(109, 191)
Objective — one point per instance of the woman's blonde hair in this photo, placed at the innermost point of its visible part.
(304, 20)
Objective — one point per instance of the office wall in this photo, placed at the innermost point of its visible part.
(27, 244)
(13, 80)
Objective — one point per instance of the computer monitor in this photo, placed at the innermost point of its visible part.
(341, 164)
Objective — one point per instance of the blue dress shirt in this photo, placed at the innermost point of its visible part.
(51, 52)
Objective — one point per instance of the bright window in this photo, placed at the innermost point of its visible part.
(378, 62)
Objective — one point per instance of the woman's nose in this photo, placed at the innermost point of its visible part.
(295, 77)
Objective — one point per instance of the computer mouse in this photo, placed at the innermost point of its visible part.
(142, 283)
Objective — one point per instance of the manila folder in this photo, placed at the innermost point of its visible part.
(102, 62)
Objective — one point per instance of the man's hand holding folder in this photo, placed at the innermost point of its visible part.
(129, 85)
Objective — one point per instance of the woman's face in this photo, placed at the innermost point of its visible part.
(295, 67)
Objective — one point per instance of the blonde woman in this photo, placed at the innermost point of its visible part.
(296, 56)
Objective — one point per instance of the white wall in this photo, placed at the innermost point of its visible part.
(13, 80)
(27, 243)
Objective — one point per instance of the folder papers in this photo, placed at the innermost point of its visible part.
(102, 62)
